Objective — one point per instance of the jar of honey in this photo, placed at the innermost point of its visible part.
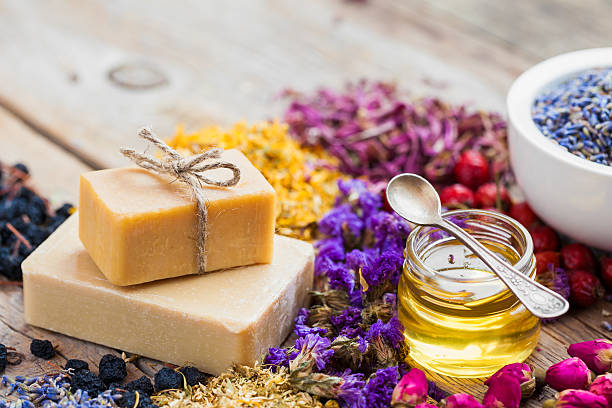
(459, 318)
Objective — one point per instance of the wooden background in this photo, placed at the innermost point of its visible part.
(78, 78)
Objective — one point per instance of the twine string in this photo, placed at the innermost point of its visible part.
(191, 171)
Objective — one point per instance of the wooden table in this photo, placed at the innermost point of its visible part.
(78, 78)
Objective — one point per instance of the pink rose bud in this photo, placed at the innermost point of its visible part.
(602, 386)
(597, 354)
(522, 372)
(579, 399)
(460, 401)
(504, 392)
(411, 389)
(426, 405)
(570, 373)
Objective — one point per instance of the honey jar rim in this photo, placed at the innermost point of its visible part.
(524, 263)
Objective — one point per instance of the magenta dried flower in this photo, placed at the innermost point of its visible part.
(460, 401)
(597, 354)
(602, 386)
(577, 399)
(571, 373)
(504, 392)
(426, 405)
(411, 389)
(522, 372)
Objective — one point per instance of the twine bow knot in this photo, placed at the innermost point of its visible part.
(189, 170)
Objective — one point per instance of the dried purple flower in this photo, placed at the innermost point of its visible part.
(571, 373)
(460, 401)
(504, 392)
(350, 389)
(315, 346)
(522, 372)
(426, 405)
(602, 385)
(392, 331)
(377, 392)
(376, 133)
(597, 354)
(411, 389)
(302, 329)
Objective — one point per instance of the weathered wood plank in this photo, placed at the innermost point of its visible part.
(221, 62)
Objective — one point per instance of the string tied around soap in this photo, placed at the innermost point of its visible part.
(191, 171)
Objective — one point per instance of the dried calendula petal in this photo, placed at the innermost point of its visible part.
(304, 178)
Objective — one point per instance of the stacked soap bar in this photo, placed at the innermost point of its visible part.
(129, 282)
(210, 320)
(139, 226)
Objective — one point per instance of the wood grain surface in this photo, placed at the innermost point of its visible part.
(77, 79)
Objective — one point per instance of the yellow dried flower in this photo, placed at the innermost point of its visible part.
(305, 179)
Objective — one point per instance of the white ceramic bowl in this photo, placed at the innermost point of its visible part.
(571, 194)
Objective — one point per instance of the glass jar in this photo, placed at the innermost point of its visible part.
(459, 318)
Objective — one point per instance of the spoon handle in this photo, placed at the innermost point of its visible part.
(538, 299)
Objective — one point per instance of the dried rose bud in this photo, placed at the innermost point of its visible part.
(504, 392)
(597, 354)
(426, 405)
(522, 372)
(460, 401)
(570, 373)
(602, 386)
(576, 399)
(411, 389)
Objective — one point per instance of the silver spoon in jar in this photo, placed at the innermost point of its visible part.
(414, 199)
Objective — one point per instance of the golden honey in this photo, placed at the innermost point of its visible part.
(459, 318)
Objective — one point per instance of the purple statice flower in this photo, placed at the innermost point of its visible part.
(377, 392)
(389, 298)
(351, 390)
(357, 193)
(387, 226)
(357, 259)
(386, 267)
(340, 217)
(348, 318)
(317, 347)
(279, 357)
(301, 325)
(435, 392)
(330, 248)
(392, 331)
(341, 277)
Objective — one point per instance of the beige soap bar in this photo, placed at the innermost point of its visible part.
(139, 226)
(210, 320)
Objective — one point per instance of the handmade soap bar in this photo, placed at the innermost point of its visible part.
(139, 226)
(209, 320)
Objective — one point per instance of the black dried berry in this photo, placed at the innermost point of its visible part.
(76, 365)
(142, 385)
(22, 168)
(64, 211)
(128, 399)
(167, 379)
(112, 369)
(3, 358)
(87, 381)
(192, 375)
(42, 348)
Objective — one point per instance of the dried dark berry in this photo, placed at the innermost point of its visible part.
(42, 348)
(128, 399)
(87, 381)
(142, 385)
(22, 168)
(3, 358)
(193, 375)
(64, 211)
(112, 369)
(167, 379)
(76, 365)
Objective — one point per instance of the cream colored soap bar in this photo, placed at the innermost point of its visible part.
(210, 320)
(139, 226)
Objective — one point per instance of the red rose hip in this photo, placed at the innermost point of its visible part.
(578, 256)
(606, 272)
(472, 169)
(585, 288)
(457, 196)
(544, 239)
(546, 261)
(523, 214)
(486, 196)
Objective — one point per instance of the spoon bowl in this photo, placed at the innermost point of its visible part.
(412, 197)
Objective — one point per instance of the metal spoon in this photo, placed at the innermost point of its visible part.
(414, 199)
